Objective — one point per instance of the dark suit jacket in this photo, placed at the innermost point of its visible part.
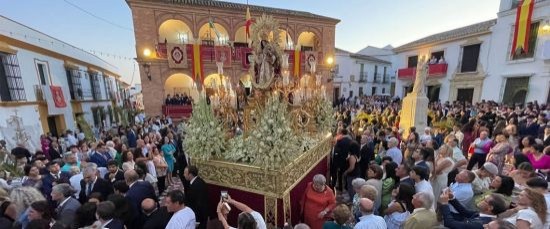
(48, 180)
(118, 176)
(158, 220)
(132, 139)
(100, 159)
(408, 181)
(115, 224)
(367, 155)
(101, 185)
(471, 218)
(138, 192)
(54, 154)
(197, 197)
(66, 212)
(341, 151)
(546, 141)
(424, 165)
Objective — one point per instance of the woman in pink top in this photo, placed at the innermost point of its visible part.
(539, 159)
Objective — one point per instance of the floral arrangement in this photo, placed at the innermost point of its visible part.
(205, 133)
(324, 120)
(272, 143)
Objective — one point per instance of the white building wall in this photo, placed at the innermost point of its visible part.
(55, 75)
(349, 66)
(453, 56)
(501, 67)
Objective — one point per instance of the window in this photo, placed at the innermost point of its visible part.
(383, 90)
(373, 92)
(42, 71)
(75, 86)
(532, 43)
(360, 91)
(107, 83)
(470, 57)
(516, 90)
(438, 55)
(94, 82)
(11, 82)
(412, 61)
(384, 79)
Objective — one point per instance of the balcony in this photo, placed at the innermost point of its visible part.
(177, 111)
(363, 77)
(435, 71)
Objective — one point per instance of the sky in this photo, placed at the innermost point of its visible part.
(363, 22)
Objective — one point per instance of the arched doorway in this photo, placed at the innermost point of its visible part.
(175, 31)
(208, 35)
(285, 40)
(307, 41)
(240, 38)
(213, 82)
(180, 83)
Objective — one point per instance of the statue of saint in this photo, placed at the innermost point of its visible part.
(421, 74)
(266, 59)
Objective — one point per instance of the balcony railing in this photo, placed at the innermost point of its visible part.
(363, 77)
(177, 111)
(39, 93)
(434, 71)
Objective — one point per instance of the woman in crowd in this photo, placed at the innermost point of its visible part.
(39, 210)
(353, 170)
(497, 154)
(501, 184)
(401, 207)
(341, 215)
(531, 212)
(128, 160)
(512, 131)
(168, 151)
(23, 197)
(443, 166)
(469, 136)
(539, 159)
(526, 148)
(410, 145)
(357, 183)
(375, 174)
(32, 176)
(161, 168)
(388, 185)
(317, 202)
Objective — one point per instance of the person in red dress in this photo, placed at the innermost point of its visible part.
(317, 202)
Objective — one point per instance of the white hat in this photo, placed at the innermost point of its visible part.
(491, 168)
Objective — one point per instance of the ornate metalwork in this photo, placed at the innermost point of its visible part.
(270, 213)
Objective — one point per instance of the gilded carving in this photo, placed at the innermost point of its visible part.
(270, 215)
(257, 180)
(287, 208)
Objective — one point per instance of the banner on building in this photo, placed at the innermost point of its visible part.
(522, 30)
(177, 55)
(55, 99)
(223, 54)
(198, 73)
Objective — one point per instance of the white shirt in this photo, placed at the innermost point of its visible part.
(371, 222)
(425, 187)
(72, 141)
(75, 182)
(183, 219)
(464, 193)
(528, 215)
(192, 180)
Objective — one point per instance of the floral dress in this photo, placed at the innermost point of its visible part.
(497, 155)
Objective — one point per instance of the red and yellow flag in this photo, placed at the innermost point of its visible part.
(523, 26)
(197, 63)
(248, 22)
(297, 62)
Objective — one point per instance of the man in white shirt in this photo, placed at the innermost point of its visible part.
(184, 217)
(71, 139)
(427, 136)
(420, 176)
(368, 220)
(393, 151)
(462, 189)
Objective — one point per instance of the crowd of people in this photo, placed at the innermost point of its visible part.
(483, 165)
(178, 99)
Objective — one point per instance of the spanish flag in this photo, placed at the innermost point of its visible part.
(523, 27)
(248, 22)
(197, 63)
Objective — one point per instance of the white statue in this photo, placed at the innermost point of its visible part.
(266, 58)
(421, 74)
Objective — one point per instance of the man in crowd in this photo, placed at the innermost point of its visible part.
(93, 183)
(393, 151)
(420, 177)
(462, 191)
(489, 208)
(154, 216)
(197, 194)
(184, 217)
(422, 216)
(368, 220)
(402, 171)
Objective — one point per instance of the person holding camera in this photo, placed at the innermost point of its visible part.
(248, 219)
